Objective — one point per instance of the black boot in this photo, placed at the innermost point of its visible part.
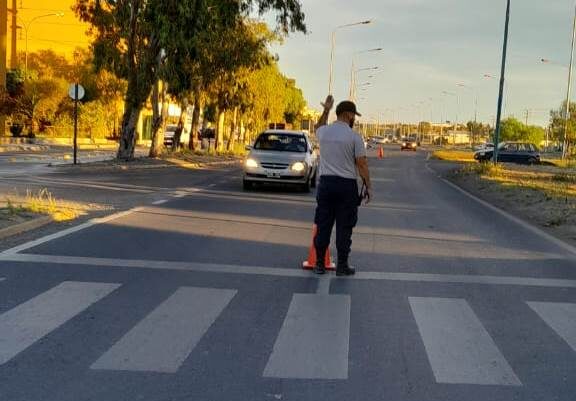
(319, 268)
(343, 269)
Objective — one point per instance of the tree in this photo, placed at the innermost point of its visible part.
(514, 130)
(294, 103)
(557, 124)
(129, 35)
(477, 130)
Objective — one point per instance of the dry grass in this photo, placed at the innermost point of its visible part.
(459, 156)
(544, 194)
(43, 203)
(551, 182)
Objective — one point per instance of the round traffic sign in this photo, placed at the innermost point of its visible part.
(72, 92)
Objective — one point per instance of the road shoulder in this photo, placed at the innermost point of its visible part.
(553, 215)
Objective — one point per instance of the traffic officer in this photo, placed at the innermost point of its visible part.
(342, 159)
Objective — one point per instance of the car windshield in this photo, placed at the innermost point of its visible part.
(281, 143)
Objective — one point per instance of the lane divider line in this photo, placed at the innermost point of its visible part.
(288, 272)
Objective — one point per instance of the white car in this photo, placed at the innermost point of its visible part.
(281, 157)
(484, 147)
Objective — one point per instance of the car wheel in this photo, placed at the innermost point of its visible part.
(247, 185)
(305, 187)
(532, 161)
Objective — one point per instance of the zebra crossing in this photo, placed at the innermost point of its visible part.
(312, 343)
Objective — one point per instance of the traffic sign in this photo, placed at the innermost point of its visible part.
(72, 92)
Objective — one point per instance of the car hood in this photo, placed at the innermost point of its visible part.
(277, 157)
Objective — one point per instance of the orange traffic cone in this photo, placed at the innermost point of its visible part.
(380, 153)
(311, 262)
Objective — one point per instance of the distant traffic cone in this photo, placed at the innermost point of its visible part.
(380, 152)
(311, 262)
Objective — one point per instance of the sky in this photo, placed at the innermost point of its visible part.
(430, 47)
(63, 34)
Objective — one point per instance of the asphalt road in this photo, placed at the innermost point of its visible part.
(200, 296)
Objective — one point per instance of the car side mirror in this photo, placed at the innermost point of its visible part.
(248, 147)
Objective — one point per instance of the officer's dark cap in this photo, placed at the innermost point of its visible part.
(347, 106)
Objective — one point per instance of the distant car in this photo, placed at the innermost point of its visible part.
(511, 152)
(281, 157)
(484, 146)
(380, 140)
(169, 134)
(409, 144)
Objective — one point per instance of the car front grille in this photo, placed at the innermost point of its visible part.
(275, 166)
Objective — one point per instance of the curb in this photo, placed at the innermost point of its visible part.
(25, 227)
(23, 148)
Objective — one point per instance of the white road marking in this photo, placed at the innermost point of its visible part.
(67, 231)
(314, 340)
(160, 202)
(180, 194)
(29, 322)
(561, 317)
(533, 229)
(283, 272)
(163, 340)
(459, 348)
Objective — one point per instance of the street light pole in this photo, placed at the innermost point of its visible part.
(568, 95)
(352, 70)
(332, 49)
(27, 28)
(355, 81)
(502, 81)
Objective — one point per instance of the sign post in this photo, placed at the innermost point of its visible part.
(76, 92)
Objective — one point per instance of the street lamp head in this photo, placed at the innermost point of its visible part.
(367, 22)
(60, 14)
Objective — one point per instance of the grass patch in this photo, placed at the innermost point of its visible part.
(553, 184)
(459, 156)
(564, 164)
(42, 203)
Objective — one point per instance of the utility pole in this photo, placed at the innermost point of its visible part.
(502, 81)
(3, 41)
(14, 34)
(527, 115)
(568, 95)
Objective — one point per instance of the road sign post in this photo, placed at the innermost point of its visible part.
(76, 92)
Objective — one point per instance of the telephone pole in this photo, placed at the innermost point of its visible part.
(3, 41)
(14, 34)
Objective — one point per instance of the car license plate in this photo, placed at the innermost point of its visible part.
(271, 174)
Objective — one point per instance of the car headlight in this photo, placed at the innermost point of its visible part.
(403, 143)
(251, 163)
(298, 167)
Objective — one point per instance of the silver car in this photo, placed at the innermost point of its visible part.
(281, 157)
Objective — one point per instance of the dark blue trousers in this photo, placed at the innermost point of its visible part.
(337, 199)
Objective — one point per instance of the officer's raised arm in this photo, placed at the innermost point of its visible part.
(328, 104)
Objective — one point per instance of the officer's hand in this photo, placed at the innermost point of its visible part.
(368, 196)
(328, 103)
